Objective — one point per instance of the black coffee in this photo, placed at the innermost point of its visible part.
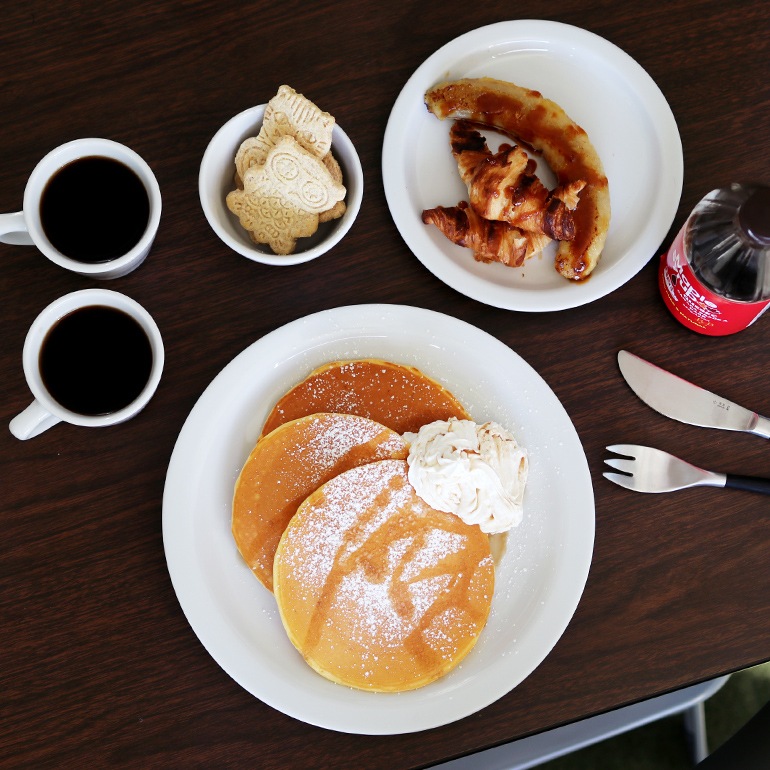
(96, 360)
(94, 209)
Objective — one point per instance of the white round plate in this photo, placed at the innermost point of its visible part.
(603, 90)
(539, 580)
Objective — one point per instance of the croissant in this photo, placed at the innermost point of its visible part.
(490, 240)
(542, 124)
(503, 186)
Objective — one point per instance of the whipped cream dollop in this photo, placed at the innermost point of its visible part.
(477, 472)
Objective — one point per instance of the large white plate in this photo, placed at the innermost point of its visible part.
(600, 87)
(539, 580)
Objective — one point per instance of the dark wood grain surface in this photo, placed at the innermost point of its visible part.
(98, 665)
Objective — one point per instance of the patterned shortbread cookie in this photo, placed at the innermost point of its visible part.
(286, 177)
(297, 175)
(339, 208)
(289, 113)
(250, 153)
(271, 220)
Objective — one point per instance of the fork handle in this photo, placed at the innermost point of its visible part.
(748, 483)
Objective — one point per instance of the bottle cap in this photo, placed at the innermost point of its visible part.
(754, 215)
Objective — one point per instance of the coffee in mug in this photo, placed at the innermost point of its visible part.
(91, 358)
(95, 360)
(91, 206)
(106, 198)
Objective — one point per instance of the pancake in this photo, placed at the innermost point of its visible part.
(376, 589)
(398, 396)
(291, 462)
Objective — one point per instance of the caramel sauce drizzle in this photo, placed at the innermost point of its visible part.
(279, 475)
(369, 553)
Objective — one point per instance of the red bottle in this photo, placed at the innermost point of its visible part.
(715, 277)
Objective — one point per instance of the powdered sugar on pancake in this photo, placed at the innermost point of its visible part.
(289, 464)
(406, 589)
(334, 435)
(398, 396)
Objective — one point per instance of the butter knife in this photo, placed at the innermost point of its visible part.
(681, 400)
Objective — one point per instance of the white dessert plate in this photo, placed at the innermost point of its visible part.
(539, 579)
(602, 89)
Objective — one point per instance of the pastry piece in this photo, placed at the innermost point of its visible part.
(376, 589)
(287, 180)
(293, 173)
(503, 185)
(527, 116)
(291, 462)
(252, 152)
(490, 240)
(281, 200)
(246, 158)
(271, 219)
(398, 396)
(290, 113)
(339, 208)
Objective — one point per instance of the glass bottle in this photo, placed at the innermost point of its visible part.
(715, 277)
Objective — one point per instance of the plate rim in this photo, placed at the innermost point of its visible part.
(178, 559)
(570, 295)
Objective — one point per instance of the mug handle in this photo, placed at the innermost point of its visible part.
(32, 421)
(13, 230)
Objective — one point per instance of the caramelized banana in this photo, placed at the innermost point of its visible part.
(528, 117)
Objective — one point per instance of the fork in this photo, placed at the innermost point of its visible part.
(645, 469)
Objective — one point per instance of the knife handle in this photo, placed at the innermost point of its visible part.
(747, 483)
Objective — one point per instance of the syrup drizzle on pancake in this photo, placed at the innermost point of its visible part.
(290, 463)
(378, 590)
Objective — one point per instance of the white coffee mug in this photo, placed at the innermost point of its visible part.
(25, 227)
(45, 412)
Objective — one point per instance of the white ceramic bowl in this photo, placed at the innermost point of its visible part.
(215, 180)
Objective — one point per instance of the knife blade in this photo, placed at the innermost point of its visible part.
(681, 400)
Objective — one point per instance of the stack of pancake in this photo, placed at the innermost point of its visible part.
(376, 589)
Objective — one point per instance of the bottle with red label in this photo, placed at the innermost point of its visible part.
(715, 278)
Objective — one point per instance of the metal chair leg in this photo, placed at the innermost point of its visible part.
(695, 726)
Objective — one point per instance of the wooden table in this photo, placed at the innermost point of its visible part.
(98, 665)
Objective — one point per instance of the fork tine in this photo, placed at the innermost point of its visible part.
(621, 464)
(629, 450)
(623, 481)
